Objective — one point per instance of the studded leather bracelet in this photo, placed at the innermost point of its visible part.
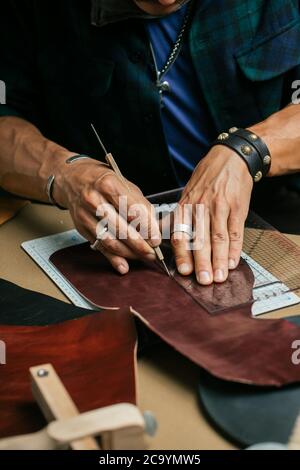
(258, 143)
(250, 148)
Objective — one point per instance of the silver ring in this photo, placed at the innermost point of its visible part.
(98, 241)
(184, 228)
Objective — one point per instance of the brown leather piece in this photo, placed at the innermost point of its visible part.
(94, 357)
(231, 345)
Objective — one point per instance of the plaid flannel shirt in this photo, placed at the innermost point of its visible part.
(62, 73)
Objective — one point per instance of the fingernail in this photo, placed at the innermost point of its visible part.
(219, 275)
(204, 277)
(231, 264)
(123, 269)
(184, 268)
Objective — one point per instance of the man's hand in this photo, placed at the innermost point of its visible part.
(91, 191)
(223, 184)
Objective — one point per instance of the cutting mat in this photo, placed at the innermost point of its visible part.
(269, 292)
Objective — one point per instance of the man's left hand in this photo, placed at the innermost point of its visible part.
(222, 184)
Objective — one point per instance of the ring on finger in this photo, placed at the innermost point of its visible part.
(98, 241)
(183, 228)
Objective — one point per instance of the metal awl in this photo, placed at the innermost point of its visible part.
(113, 164)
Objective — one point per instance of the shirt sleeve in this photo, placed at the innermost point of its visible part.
(18, 71)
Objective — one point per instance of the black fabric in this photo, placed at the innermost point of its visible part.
(247, 414)
(20, 306)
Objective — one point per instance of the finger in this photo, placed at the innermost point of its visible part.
(183, 253)
(132, 205)
(220, 242)
(109, 241)
(181, 242)
(118, 263)
(97, 205)
(123, 231)
(202, 255)
(236, 235)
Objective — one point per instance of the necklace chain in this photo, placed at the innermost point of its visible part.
(178, 44)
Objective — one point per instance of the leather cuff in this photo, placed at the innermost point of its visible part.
(246, 151)
(258, 143)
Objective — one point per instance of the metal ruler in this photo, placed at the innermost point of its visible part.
(269, 292)
(40, 251)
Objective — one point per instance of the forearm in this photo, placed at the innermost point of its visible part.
(281, 132)
(27, 158)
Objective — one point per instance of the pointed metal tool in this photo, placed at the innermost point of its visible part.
(113, 164)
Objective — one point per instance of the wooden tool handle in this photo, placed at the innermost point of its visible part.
(55, 402)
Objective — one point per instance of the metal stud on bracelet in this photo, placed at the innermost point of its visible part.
(258, 176)
(258, 143)
(248, 152)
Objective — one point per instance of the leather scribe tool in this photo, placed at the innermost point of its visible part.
(113, 164)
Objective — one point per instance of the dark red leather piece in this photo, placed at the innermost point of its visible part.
(94, 356)
(231, 345)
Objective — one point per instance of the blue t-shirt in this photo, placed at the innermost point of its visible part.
(187, 124)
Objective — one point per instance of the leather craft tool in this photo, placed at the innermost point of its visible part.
(113, 164)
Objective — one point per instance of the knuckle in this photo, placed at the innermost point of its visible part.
(141, 246)
(108, 184)
(85, 197)
(235, 236)
(218, 202)
(219, 237)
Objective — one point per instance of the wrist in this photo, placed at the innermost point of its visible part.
(72, 175)
(250, 148)
(280, 131)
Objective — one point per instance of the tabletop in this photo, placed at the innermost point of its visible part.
(167, 382)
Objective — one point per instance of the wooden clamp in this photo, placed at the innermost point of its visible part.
(120, 426)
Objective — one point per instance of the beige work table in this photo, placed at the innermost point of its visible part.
(167, 383)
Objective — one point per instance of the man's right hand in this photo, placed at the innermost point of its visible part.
(91, 191)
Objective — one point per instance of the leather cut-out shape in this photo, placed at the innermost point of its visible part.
(231, 345)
